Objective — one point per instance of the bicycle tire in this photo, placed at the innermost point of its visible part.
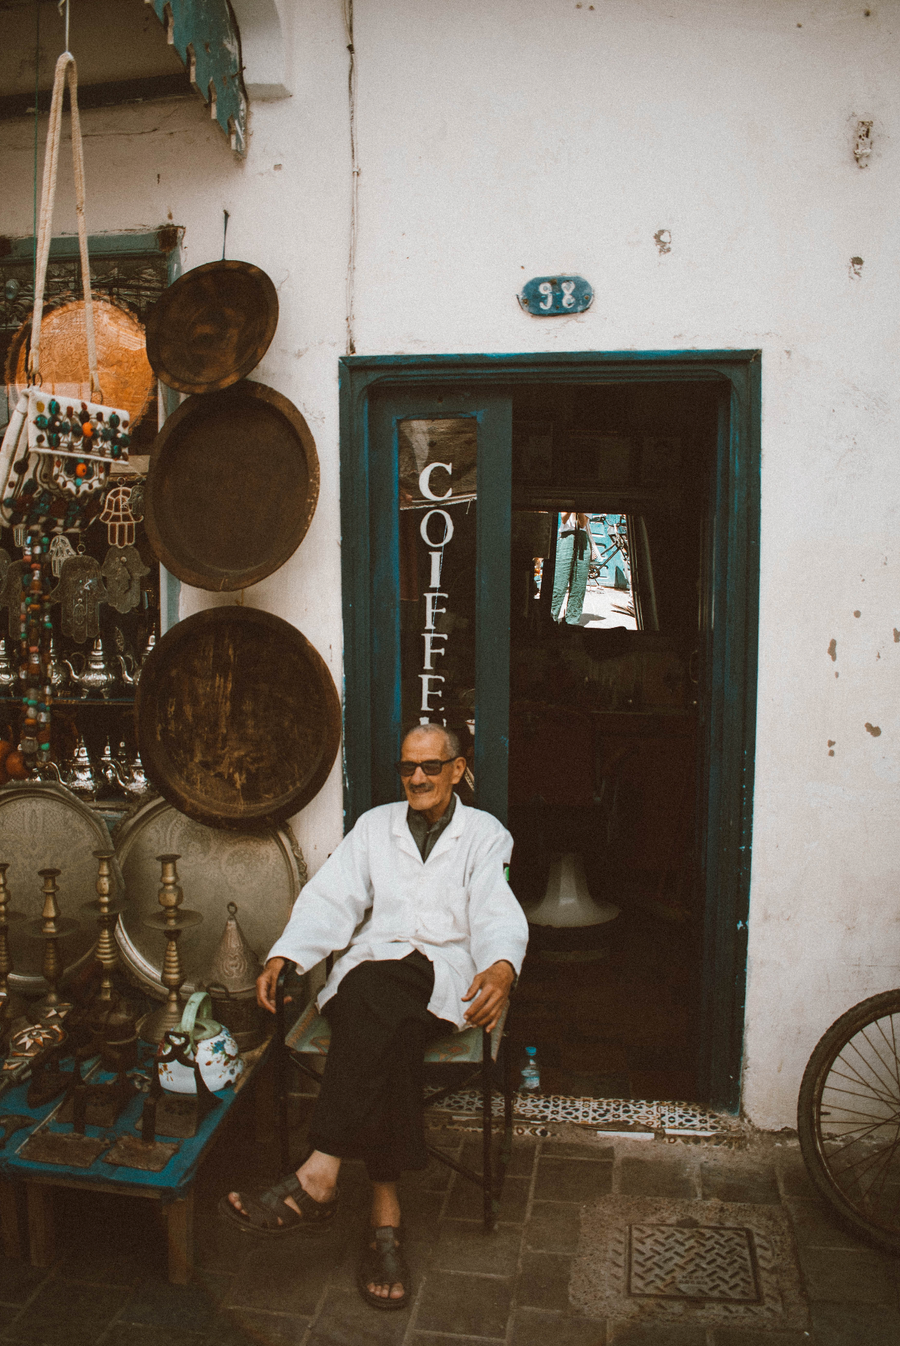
(848, 1118)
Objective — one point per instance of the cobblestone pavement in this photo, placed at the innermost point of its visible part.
(599, 1243)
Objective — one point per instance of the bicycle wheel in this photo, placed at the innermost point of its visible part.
(848, 1117)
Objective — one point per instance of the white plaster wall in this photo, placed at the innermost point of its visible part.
(508, 140)
(502, 139)
(150, 164)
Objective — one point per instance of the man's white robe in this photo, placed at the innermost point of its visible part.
(376, 898)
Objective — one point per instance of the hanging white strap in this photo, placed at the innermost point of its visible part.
(65, 69)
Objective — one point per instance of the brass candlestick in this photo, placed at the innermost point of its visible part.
(107, 912)
(51, 928)
(171, 921)
(10, 1005)
(5, 960)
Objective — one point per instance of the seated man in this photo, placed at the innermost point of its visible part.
(416, 894)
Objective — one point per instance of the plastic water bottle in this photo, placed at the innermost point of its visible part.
(531, 1075)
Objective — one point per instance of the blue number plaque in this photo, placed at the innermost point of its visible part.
(555, 296)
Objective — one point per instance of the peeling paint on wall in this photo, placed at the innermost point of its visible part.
(872, 729)
(663, 240)
(863, 144)
(856, 266)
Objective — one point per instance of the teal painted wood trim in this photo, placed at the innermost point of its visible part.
(521, 368)
(356, 595)
(734, 600)
(163, 240)
(205, 35)
(385, 693)
(491, 766)
(731, 706)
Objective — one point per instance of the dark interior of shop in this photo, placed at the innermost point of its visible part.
(605, 742)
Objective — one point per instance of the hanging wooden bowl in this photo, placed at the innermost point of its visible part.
(232, 487)
(238, 719)
(126, 378)
(212, 326)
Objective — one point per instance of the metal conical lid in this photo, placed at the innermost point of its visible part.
(234, 965)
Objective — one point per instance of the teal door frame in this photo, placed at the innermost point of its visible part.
(373, 388)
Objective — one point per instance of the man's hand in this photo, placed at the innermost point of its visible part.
(492, 989)
(265, 984)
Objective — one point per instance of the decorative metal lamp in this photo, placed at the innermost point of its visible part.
(231, 982)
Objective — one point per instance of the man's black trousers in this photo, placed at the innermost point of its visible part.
(370, 1104)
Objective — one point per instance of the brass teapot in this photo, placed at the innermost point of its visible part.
(8, 675)
(95, 674)
(132, 676)
(129, 776)
(58, 675)
(77, 774)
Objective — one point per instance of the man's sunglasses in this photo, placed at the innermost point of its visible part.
(433, 767)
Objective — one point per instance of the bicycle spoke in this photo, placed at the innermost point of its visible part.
(856, 1077)
(839, 1148)
(884, 1170)
(852, 1044)
(895, 1082)
(892, 1050)
(856, 1112)
(863, 1163)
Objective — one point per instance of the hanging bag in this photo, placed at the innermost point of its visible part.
(57, 452)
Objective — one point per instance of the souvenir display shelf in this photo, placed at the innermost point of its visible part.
(103, 614)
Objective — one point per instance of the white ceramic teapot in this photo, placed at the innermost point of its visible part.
(199, 1039)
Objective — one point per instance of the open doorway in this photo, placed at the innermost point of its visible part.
(451, 467)
(611, 495)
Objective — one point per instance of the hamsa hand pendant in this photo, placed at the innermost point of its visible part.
(81, 592)
(123, 570)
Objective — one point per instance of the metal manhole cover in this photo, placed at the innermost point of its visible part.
(708, 1263)
(703, 1262)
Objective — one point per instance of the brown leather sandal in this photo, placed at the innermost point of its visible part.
(268, 1212)
(383, 1265)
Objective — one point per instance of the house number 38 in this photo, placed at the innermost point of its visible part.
(550, 296)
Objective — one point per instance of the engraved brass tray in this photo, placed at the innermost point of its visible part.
(125, 375)
(262, 872)
(44, 826)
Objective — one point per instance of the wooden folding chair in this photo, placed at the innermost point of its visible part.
(310, 1036)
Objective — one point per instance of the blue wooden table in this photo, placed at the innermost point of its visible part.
(172, 1186)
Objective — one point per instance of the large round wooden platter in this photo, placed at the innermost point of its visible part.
(44, 826)
(212, 326)
(232, 487)
(126, 378)
(238, 719)
(261, 872)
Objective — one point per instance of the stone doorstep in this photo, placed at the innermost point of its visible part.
(710, 1263)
